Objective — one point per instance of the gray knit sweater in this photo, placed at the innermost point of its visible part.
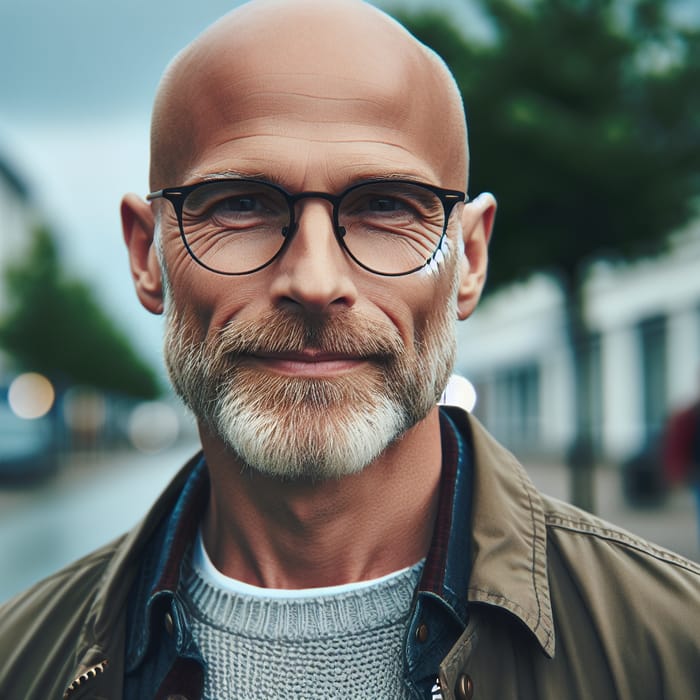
(338, 642)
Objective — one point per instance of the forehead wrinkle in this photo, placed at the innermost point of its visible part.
(390, 162)
(378, 102)
(358, 102)
(281, 79)
(319, 116)
(316, 139)
(323, 87)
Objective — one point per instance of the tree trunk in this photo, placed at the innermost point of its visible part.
(581, 453)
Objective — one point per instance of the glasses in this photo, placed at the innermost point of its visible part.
(239, 226)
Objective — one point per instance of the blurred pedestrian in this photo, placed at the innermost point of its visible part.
(681, 450)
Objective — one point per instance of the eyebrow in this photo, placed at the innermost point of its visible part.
(267, 177)
(235, 174)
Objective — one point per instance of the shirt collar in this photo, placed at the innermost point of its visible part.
(447, 566)
(439, 615)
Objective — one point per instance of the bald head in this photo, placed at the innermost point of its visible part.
(274, 67)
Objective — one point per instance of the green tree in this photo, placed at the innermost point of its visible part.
(54, 325)
(585, 122)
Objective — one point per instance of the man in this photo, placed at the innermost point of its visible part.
(309, 239)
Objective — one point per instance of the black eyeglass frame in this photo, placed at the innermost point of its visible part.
(177, 196)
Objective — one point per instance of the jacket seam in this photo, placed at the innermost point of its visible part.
(533, 571)
(622, 538)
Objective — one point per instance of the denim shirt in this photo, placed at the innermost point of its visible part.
(162, 657)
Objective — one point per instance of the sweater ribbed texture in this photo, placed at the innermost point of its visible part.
(338, 645)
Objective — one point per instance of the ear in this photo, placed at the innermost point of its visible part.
(477, 224)
(138, 226)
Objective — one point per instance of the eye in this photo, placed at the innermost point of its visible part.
(380, 204)
(239, 204)
(373, 202)
(234, 201)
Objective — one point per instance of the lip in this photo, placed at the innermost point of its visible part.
(309, 363)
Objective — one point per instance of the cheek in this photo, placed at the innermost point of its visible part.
(209, 299)
(408, 305)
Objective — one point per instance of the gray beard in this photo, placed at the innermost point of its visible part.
(301, 427)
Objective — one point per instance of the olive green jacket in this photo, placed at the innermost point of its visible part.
(562, 605)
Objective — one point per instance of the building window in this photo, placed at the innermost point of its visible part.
(516, 407)
(652, 336)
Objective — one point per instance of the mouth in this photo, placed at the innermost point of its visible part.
(308, 363)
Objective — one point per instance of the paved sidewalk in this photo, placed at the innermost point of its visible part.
(673, 524)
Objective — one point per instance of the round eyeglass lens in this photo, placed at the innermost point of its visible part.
(234, 226)
(391, 227)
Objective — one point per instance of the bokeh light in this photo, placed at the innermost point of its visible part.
(153, 426)
(459, 392)
(31, 395)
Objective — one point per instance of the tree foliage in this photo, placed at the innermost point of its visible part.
(584, 121)
(54, 325)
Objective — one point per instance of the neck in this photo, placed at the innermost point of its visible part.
(301, 534)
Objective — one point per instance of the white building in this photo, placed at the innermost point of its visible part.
(643, 355)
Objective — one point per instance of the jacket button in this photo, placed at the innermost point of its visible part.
(422, 632)
(464, 689)
(169, 623)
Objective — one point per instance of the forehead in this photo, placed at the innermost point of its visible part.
(333, 97)
(280, 126)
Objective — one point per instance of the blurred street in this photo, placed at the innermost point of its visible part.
(91, 500)
(97, 497)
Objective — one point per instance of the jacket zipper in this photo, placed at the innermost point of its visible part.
(92, 672)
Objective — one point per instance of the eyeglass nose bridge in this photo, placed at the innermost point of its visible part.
(293, 199)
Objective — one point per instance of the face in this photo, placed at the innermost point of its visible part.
(312, 366)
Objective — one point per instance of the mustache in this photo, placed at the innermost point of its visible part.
(286, 331)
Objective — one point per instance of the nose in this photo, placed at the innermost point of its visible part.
(313, 272)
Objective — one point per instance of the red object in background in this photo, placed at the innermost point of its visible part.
(678, 444)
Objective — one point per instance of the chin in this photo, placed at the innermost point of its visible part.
(309, 429)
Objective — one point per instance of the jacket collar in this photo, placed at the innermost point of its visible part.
(509, 539)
